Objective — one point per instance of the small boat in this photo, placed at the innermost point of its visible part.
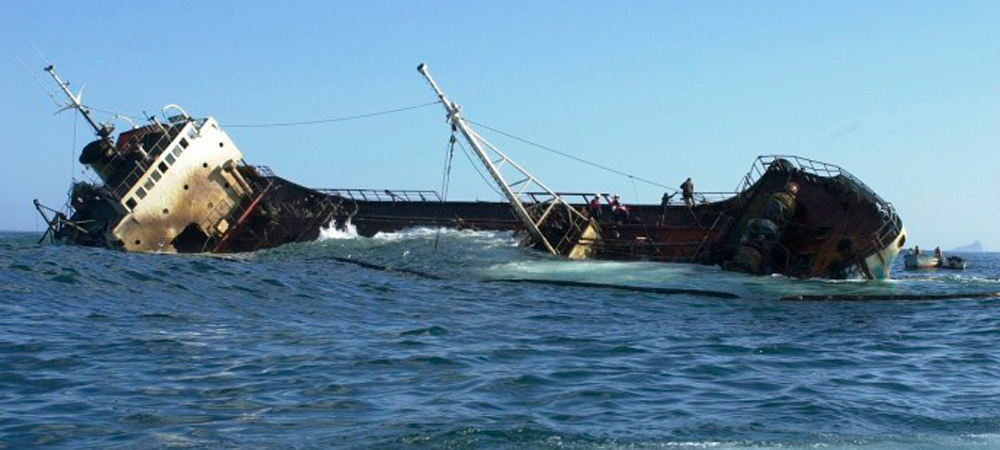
(955, 263)
(915, 261)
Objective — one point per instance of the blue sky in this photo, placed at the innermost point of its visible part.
(905, 95)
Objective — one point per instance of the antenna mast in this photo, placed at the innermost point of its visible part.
(581, 244)
(74, 103)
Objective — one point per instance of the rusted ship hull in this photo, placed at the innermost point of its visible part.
(835, 227)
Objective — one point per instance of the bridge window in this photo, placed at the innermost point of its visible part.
(131, 204)
(170, 159)
(141, 193)
(155, 175)
(149, 184)
(163, 166)
(177, 151)
(184, 143)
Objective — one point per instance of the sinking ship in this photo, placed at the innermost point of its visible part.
(182, 186)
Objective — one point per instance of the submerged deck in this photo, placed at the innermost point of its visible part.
(838, 221)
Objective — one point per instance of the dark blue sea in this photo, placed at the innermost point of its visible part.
(294, 348)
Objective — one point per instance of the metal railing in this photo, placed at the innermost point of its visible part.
(386, 195)
(585, 197)
(264, 171)
(810, 166)
(152, 153)
(233, 211)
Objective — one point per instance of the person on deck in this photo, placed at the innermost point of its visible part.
(619, 210)
(687, 191)
(664, 204)
(621, 214)
(614, 203)
(594, 207)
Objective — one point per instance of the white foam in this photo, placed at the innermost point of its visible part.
(333, 231)
(491, 238)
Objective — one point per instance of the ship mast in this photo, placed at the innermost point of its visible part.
(74, 103)
(493, 167)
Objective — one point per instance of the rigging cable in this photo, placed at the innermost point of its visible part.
(335, 119)
(476, 166)
(279, 124)
(575, 158)
(72, 150)
(39, 83)
(446, 178)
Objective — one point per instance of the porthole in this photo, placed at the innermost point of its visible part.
(227, 185)
(221, 144)
(166, 211)
(210, 205)
(137, 242)
(186, 187)
(205, 165)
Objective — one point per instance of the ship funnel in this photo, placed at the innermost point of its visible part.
(98, 155)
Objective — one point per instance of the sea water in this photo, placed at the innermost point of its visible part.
(298, 348)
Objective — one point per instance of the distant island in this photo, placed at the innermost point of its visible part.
(973, 247)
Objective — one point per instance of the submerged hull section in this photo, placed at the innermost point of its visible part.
(832, 227)
(282, 212)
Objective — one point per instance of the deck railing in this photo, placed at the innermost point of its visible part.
(583, 198)
(385, 195)
(153, 152)
(810, 166)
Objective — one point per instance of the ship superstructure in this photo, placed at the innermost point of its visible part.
(181, 185)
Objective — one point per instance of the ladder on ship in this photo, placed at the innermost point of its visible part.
(553, 225)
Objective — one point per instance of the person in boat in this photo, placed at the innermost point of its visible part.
(594, 207)
(937, 252)
(916, 250)
(687, 192)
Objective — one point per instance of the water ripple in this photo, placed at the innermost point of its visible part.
(290, 348)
